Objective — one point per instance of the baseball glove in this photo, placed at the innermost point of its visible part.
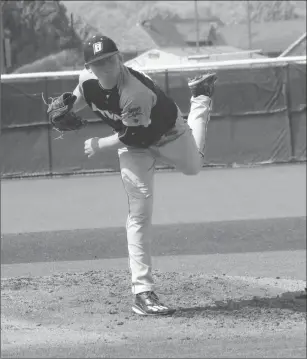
(60, 115)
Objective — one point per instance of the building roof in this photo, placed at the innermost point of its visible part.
(154, 57)
(268, 36)
(187, 29)
(163, 32)
(203, 50)
(212, 53)
(188, 55)
(136, 39)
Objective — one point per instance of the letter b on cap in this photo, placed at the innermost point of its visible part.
(97, 47)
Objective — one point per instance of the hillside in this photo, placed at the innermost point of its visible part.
(118, 19)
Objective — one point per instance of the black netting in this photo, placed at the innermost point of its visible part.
(258, 115)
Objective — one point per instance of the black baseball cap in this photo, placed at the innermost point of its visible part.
(97, 48)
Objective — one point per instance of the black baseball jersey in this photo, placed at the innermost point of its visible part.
(137, 109)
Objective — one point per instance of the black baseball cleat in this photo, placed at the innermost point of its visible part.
(147, 303)
(203, 84)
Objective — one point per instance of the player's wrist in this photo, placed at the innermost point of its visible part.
(100, 144)
(103, 143)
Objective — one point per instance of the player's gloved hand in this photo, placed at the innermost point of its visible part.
(91, 146)
(60, 113)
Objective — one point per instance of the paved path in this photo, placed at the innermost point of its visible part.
(36, 205)
(280, 234)
(219, 211)
(255, 264)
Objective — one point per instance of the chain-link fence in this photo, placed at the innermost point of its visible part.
(258, 115)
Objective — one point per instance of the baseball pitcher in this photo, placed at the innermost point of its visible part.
(147, 125)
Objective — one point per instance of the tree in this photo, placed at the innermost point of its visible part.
(83, 29)
(234, 12)
(37, 29)
(152, 10)
(264, 11)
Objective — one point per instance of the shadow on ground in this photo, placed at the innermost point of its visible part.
(294, 301)
(175, 239)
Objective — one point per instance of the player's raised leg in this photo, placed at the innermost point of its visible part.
(186, 151)
(202, 88)
(137, 171)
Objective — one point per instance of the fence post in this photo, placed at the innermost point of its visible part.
(167, 83)
(50, 159)
(287, 94)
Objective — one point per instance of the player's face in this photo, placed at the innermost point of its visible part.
(109, 66)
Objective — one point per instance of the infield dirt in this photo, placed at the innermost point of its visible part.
(89, 314)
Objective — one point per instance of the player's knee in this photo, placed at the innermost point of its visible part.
(141, 207)
(140, 201)
(192, 171)
(193, 168)
(138, 193)
(140, 211)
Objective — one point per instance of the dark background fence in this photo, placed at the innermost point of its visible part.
(258, 116)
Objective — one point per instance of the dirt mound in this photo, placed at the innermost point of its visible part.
(44, 314)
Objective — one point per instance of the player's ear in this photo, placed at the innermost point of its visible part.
(87, 68)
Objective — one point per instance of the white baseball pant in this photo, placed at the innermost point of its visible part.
(181, 148)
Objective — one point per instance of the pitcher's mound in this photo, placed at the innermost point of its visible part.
(89, 314)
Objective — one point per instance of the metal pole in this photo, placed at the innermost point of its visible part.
(196, 24)
(167, 83)
(287, 95)
(293, 46)
(2, 59)
(3, 67)
(49, 130)
(249, 28)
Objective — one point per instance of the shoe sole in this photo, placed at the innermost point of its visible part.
(196, 82)
(139, 311)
